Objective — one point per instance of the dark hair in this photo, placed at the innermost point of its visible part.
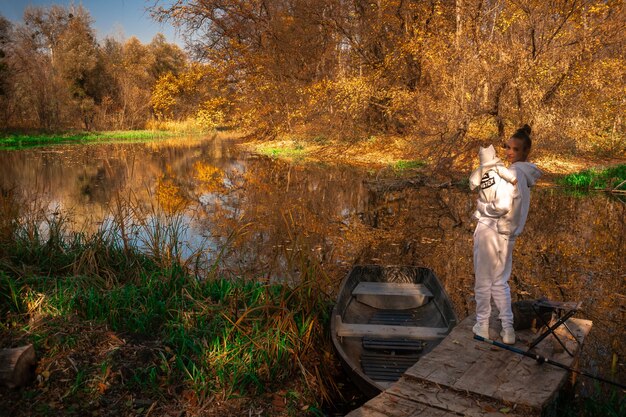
(523, 134)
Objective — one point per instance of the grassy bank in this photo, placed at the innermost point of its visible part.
(19, 140)
(398, 159)
(121, 332)
(610, 178)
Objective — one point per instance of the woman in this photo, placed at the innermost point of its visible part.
(499, 223)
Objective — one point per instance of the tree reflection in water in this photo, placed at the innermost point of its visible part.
(272, 214)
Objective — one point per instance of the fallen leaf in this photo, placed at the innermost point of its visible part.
(102, 387)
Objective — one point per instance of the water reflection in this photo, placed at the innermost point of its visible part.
(275, 215)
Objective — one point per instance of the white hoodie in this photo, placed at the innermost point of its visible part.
(510, 208)
(489, 175)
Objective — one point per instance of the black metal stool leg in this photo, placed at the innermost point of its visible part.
(561, 320)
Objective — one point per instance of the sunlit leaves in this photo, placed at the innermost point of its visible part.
(211, 177)
(170, 195)
(164, 95)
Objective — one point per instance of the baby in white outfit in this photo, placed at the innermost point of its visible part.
(488, 177)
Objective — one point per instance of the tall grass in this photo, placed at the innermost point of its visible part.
(215, 334)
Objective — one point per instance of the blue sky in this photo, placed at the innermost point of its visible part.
(110, 17)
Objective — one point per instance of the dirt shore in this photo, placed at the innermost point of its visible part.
(382, 152)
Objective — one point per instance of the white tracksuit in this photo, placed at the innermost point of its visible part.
(500, 221)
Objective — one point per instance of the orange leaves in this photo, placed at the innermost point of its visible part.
(211, 177)
(170, 196)
(164, 96)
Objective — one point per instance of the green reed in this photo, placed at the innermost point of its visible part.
(601, 401)
(211, 334)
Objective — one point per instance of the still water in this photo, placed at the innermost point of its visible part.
(267, 218)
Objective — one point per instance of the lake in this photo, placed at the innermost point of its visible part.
(268, 219)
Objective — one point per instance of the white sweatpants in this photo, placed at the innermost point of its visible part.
(493, 257)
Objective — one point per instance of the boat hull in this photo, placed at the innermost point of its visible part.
(385, 318)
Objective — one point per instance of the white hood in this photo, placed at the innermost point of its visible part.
(513, 222)
(529, 170)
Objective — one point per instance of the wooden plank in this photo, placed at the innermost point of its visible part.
(463, 376)
(392, 406)
(365, 412)
(392, 295)
(464, 364)
(381, 330)
(455, 354)
(457, 403)
(506, 375)
(485, 373)
(391, 289)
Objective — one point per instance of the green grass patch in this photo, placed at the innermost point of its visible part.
(297, 151)
(597, 179)
(222, 334)
(18, 141)
(404, 165)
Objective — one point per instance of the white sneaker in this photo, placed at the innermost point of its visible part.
(481, 330)
(508, 335)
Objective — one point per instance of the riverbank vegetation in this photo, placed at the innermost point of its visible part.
(123, 324)
(611, 178)
(17, 140)
(119, 330)
(443, 75)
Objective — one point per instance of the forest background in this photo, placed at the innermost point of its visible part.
(445, 73)
(440, 75)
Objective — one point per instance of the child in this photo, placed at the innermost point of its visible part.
(488, 176)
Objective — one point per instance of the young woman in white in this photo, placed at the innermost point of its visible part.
(500, 221)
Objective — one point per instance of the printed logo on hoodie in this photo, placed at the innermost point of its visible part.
(487, 181)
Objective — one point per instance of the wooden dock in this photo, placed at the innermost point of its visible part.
(466, 377)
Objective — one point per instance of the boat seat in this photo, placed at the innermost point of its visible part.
(386, 331)
(392, 295)
(388, 368)
(396, 345)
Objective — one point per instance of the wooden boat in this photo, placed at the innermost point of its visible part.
(385, 318)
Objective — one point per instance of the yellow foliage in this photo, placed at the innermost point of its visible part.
(164, 95)
(211, 114)
(211, 177)
(170, 196)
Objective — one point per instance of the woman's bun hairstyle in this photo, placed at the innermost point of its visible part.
(526, 129)
(523, 133)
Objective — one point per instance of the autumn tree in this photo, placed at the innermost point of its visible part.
(168, 57)
(75, 62)
(452, 71)
(5, 84)
(53, 57)
(60, 77)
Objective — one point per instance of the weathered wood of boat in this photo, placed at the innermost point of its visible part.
(385, 319)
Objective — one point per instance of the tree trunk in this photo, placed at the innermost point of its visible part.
(17, 365)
